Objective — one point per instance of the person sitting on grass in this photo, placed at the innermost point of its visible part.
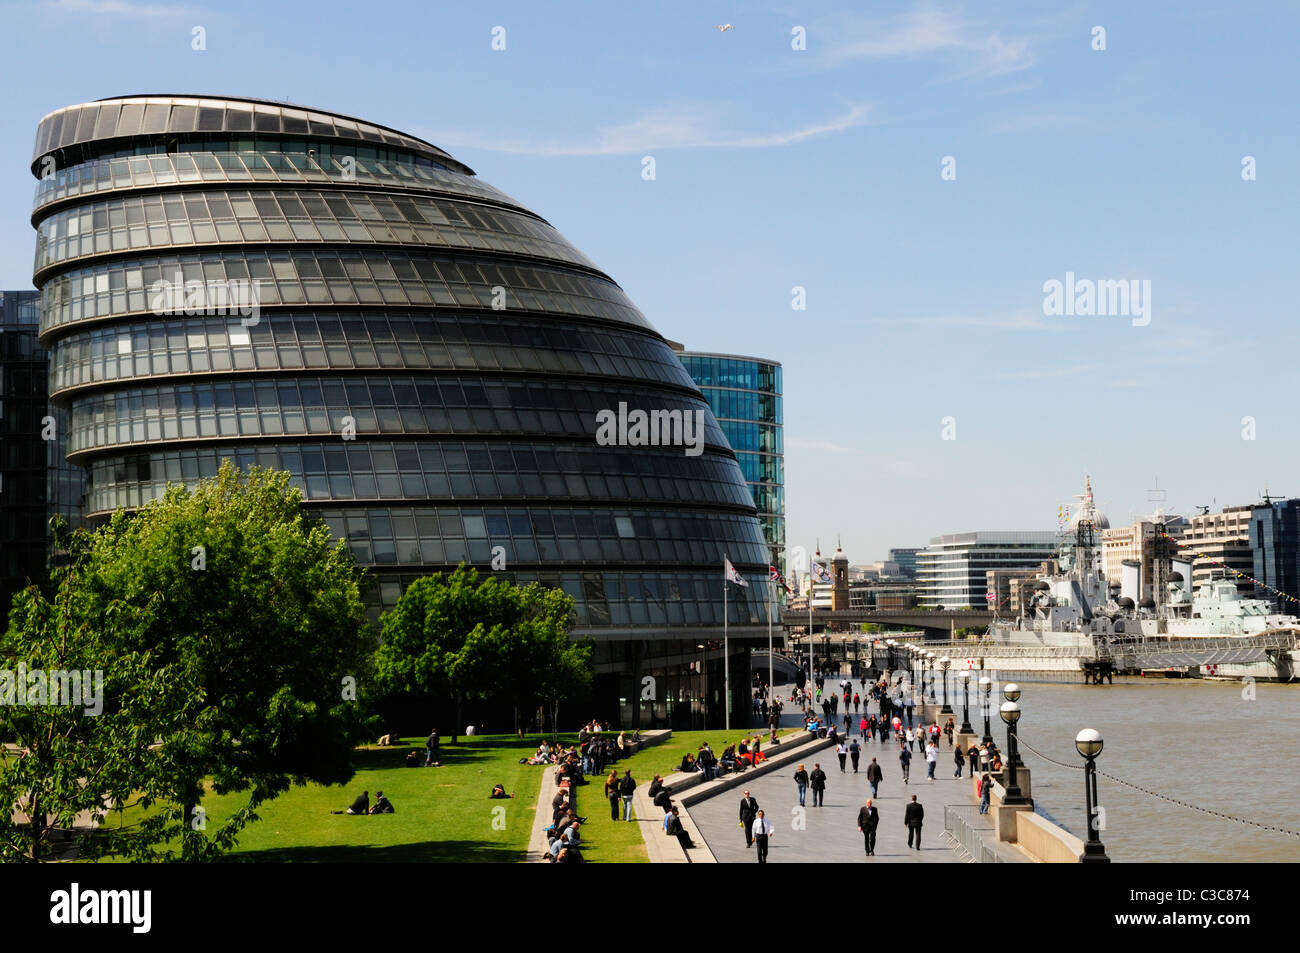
(499, 791)
(688, 765)
(413, 759)
(360, 806)
(569, 855)
(382, 805)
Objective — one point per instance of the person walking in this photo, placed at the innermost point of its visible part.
(431, 748)
(625, 789)
(909, 704)
(864, 727)
(868, 821)
(842, 750)
(611, 792)
(931, 759)
(818, 781)
(913, 817)
(857, 702)
(959, 758)
(874, 776)
(748, 811)
(855, 752)
(801, 781)
(905, 761)
(986, 792)
(762, 830)
(973, 757)
(911, 739)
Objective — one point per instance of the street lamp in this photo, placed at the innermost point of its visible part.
(891, 643)
(943, 665)
(1088, 743)
(1010, 712)
(703, 706)
(965, 701)
(986, 684)
(930, 657)
(1011, 692)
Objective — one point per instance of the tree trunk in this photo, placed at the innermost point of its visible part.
(455, 729)
(36, 817)
(555, 721)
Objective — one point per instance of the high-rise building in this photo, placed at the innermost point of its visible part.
(1220, 545)
(952, 570)
(237, 279)
(24, 407)
(1275, 547)
(1150, 542)
(744, 394)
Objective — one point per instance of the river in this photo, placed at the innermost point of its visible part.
(1201, 742)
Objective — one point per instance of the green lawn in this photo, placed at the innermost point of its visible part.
(442, 814)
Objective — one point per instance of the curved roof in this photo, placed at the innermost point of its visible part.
(147, 116)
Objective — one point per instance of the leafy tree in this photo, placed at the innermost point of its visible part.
(463, 638)
(231, 585)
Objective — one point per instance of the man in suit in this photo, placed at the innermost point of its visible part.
(868, 820)
(818, 781)
(748, 811)
(762, 831)
(913, 817)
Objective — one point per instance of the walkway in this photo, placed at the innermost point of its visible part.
(829, 834)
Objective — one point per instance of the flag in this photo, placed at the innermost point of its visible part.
(731, 575)
(820, 574)
(774, 576)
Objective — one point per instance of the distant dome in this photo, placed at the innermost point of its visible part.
(1097, 519)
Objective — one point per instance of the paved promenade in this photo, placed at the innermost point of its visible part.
(830, 833)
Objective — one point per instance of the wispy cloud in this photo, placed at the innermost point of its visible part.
(926, 32)
(118, 8)
(696, 127)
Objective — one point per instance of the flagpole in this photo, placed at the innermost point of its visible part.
(772, 591)
(726, 655)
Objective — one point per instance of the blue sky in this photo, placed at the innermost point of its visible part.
(820, 168)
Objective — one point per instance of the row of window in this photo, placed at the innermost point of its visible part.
(753, 437)
(733, 372)
(447, 536)
(629, 598)
(391, 340)
(759, 468)
(336, 277)
(114, 119)
(151, 171)
(374, 405)
(421, 469)
(203, 218)
(743, 405)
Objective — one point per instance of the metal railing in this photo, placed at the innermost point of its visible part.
(969, 839)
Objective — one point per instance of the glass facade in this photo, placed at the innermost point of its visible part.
(1275, 543)
(424, 355)
(951, 570)
(744, 394)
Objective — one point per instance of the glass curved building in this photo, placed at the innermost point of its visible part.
(246, 280)
(744, 394)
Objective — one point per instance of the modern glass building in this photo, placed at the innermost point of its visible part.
(23, 406)
(1275, 544)
(745, 396)
(234, 279)
(951, 570)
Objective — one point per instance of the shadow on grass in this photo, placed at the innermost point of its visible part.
(473, 852)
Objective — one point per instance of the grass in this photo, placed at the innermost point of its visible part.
(442, 814)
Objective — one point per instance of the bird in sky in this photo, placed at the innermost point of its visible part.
(724, 27)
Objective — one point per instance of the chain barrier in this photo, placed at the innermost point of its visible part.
(1020, 741)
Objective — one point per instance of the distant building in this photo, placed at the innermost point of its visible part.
(1275, 547)
(24, 402)
(1224, 539)
(905, 559)
(952, 570)
(1142, 542)
(883, 596)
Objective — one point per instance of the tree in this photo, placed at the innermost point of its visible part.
(463, 638)
(231, 585)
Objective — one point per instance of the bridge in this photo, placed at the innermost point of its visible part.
(937, 620)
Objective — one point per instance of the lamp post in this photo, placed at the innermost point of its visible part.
(943, 667)
(1011, 692)
(1010, 712)
(704, 719)
(965, 701)
(930, 657)
(1088, 743)
(890, 643)
(986, 684)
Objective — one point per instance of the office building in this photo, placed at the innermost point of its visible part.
(952, 570)
(238, 279)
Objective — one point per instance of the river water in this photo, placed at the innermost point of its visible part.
(1201, 742)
